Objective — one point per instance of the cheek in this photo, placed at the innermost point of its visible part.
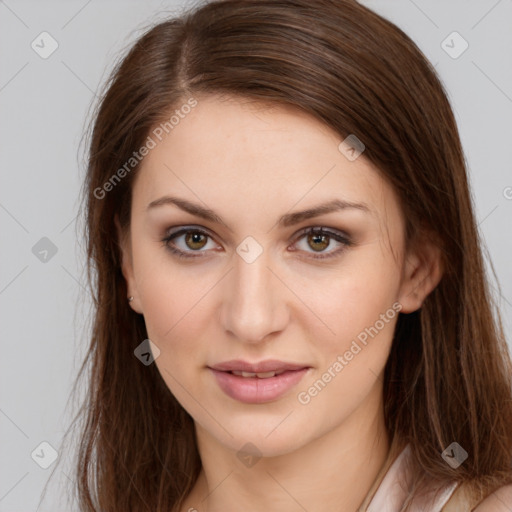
(176, 320)
(350, 300)
(174, 310)
(171, 296)
(360, 308)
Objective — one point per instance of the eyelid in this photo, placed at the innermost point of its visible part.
(182, 230)
(336, 234)
(333, 233)
(322, 230)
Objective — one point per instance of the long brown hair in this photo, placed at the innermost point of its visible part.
(448, 377)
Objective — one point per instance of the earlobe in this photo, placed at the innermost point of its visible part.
(423, 270)
(125, 252)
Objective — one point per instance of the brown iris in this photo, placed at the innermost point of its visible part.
(319, 239)
(193, 240)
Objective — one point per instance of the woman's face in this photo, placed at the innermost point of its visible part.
(251, 287)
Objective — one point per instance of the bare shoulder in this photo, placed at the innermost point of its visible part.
(499, 501)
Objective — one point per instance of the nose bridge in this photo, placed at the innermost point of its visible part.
(253, 306)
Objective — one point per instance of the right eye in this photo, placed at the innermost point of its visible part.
(192, 241)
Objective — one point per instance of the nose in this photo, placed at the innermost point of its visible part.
(254, 301)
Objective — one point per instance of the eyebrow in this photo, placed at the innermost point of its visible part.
(286, 220)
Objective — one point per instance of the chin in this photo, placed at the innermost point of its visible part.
(265, 438)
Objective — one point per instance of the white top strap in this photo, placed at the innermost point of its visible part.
(393, 491)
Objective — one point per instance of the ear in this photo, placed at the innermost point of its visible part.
(125, 249)
(422, 272)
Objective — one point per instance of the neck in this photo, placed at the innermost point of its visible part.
(333, 472)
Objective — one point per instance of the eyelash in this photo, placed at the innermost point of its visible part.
(311, 230)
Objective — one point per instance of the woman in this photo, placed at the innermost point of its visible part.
(277, 199)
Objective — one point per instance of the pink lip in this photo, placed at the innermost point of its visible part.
(255, 390)
(263, 366)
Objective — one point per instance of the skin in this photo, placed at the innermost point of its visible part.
(498, 501)
(252, 163)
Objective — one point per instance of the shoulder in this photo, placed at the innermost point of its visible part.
(499, 501)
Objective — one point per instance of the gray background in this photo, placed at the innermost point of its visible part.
(44, 105)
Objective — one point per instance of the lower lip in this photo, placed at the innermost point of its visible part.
(253, 390)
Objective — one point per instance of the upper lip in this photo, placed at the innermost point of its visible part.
(263, 366)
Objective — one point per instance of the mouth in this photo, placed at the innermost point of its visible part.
(260, 375)
(258, 383)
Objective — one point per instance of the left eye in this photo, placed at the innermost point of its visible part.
(319, 239)
(195, 239)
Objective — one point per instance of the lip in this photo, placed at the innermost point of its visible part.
(255, 390)
(268, 365)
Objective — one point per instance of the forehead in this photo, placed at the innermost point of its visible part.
(241, 156)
